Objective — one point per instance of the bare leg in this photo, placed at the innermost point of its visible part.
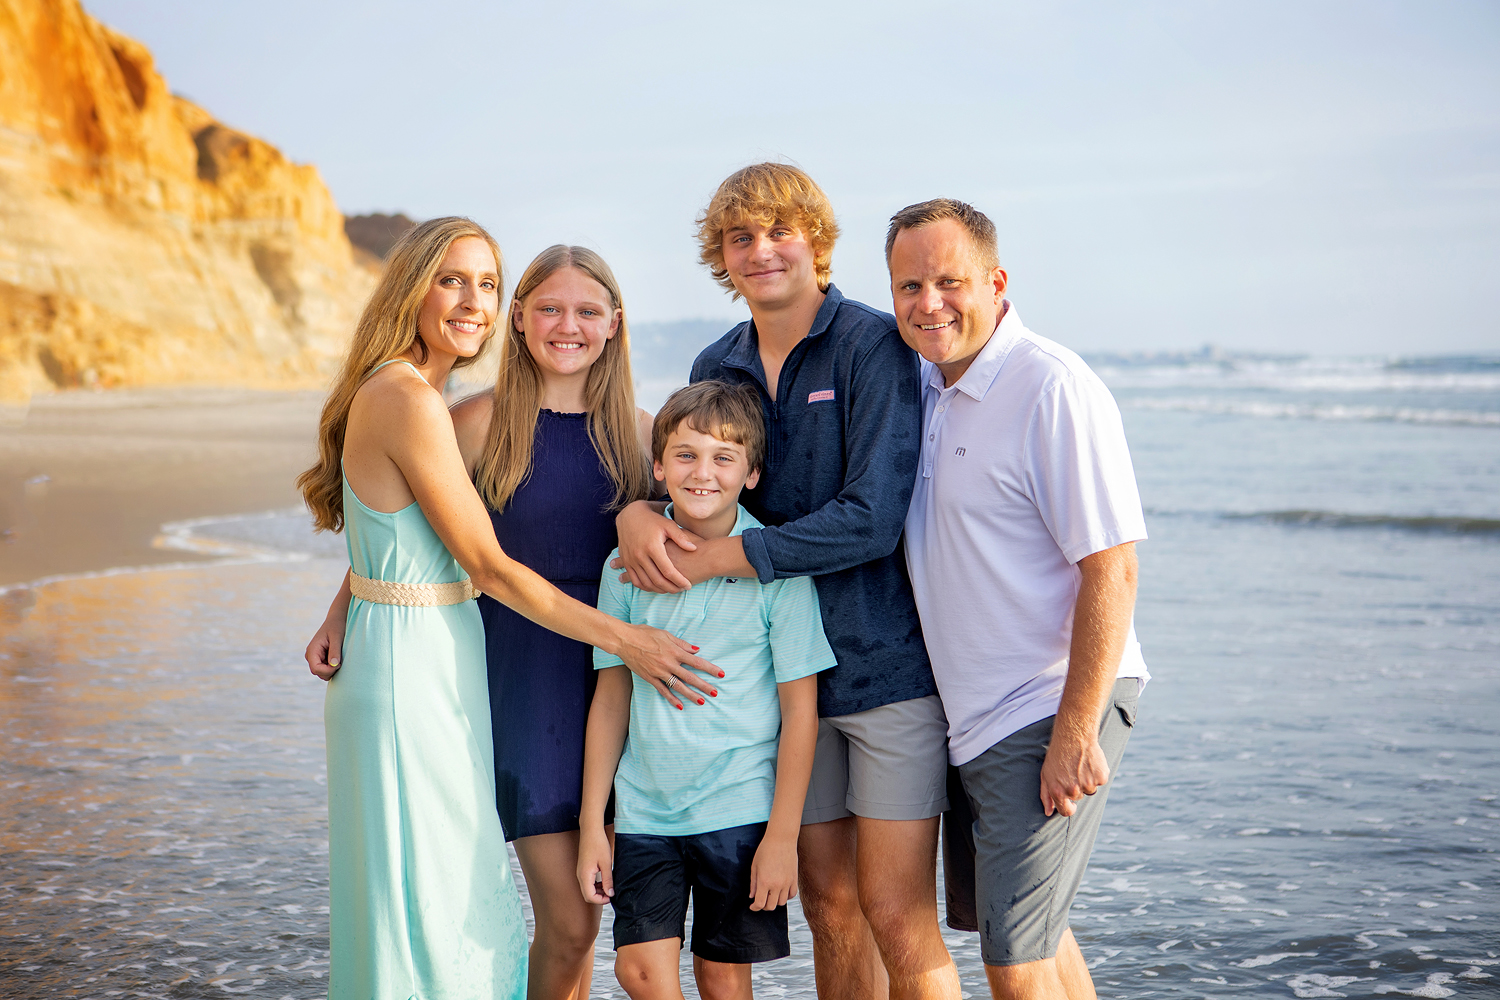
(846, 963)
(648, 971)
(898, 892)
(1065, 977)
(562, 953)
(1027, 981)
(1073, 970)
(721, 980)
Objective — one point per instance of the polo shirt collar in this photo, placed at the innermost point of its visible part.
(976, 382)
(746, 350)
(742, 520)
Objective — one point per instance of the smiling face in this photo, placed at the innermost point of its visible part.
(947, 303)
(704, 476)
(459, 309)
(566, 321)
(771, 266)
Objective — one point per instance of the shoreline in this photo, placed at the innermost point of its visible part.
(90, 478)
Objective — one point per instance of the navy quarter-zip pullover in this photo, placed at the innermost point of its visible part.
(843, 439)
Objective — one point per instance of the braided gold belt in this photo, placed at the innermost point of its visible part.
(411, 595)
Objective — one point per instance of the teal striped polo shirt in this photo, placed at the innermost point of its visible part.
(712, 767)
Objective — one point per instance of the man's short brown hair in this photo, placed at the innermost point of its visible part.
(978, 225)
(728, 412)
(768, 193)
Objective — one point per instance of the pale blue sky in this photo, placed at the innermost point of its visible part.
(1298, 176)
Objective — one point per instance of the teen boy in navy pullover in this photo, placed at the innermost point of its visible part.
(840, 394)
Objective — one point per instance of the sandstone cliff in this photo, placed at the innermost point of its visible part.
(141, 241)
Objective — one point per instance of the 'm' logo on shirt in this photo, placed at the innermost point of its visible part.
(821, 396)
(959, 452)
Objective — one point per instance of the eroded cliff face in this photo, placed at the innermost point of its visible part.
(142, 242)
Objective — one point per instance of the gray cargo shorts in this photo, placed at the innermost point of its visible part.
(889, 762)
(1012, 871)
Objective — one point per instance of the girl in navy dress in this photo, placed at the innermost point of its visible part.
(556, 450)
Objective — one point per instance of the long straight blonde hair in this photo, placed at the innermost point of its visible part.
(386, 329)
(609, 395)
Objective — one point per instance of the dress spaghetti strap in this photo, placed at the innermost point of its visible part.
(392, 361)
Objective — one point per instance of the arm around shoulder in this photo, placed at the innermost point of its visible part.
(421, 443)
(882, 438)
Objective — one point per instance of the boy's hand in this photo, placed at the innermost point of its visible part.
(773, 873)
(595, 864)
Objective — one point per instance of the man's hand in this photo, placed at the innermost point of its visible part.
(1075, 765)
(773, 873)
(325, 649)
(595, 866)
(1070, 772)
(644, 534)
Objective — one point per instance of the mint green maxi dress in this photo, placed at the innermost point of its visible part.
(423, 904)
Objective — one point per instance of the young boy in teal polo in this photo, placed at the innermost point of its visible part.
(708, 802)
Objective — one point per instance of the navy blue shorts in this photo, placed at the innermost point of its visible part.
(654, 876)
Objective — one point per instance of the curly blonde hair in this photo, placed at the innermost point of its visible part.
(768, 193)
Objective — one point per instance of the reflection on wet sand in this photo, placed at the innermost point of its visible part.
(165, 818)
(1308, 809)
(163, 791)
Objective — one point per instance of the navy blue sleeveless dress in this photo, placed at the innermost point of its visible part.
(560, 524)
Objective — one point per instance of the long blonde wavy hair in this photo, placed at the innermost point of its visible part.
(609, 395)
(386, 329)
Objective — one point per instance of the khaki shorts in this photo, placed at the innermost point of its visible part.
(889, 762)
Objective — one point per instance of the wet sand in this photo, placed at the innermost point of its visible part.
(88, 479)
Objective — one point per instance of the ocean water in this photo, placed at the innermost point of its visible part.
(1308, 807)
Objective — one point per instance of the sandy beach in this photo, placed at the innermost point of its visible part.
(89, 477)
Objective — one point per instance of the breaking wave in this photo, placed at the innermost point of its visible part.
(1331, 519)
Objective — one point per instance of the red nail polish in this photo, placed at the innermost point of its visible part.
(695, 649)
(679, 708)
(721, 674)
(713, 694)
(702, 702)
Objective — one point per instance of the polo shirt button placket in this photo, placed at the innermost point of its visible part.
(930, 447)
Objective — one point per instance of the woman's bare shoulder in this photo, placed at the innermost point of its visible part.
(396, 399)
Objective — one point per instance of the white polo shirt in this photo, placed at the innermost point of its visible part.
(1024, 472)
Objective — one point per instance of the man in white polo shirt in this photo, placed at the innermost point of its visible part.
(1021, 546)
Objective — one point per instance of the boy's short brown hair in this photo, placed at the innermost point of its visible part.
(768, 193)
(728, 412)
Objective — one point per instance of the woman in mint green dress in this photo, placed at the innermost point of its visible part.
(422, 902)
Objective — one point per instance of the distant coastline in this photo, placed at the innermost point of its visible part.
(89, 477)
